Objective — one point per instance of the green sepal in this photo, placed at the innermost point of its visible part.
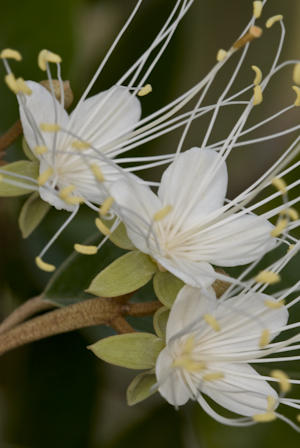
(160, 320)
(126, 274)
(166, 287)
(32, 213)
(132, 350)
(119, 236)
(140, 387)
(23, 167)
(27, 151)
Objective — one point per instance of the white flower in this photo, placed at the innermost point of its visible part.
(209, 347)
(193, 234)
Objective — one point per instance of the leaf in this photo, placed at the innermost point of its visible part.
(167, 287)
(27, 151)
(23, 167)
(126, 274)
(119, 236)
(160, 321)
(140, 387)
(132, 350)
(32, 213)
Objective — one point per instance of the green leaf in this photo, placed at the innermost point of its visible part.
(23, 167)
(32, 213)
(160, 321)
(126, 274)
(132, 350)
(140, 387)
(119, 236)
(166, 287)
(27, 151)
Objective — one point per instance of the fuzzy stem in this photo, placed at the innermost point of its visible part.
(11, 135)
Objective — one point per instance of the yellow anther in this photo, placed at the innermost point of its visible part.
(264, 418)
(106, 205)
(65, 192)
(297, 90)
(145, 90)
(274, 304)
(47, 56)
(23, 87)
(257, 9)
(74, 200)
(11, 82)
(296, 74)
(298, 418)
(162, 213)
(265, 338)
(272, 402)
(257, 95)
(50, 127)
(221, 55)
(270, 22)
(212, 321)
(290, 248)
(102, 227)
(97, 173)
(279, 184)
(86, 250)
(42, 179)
(267, 277)
(189, 345)
(39, 150)
(253, 33)
(8, 53)
(291, 213)
(213, 376)
(281, 226)
(80, 144)
(44, 266)
(258, 76)
(189, 364)
(283, 379)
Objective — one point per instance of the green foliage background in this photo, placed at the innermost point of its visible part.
(55, 393)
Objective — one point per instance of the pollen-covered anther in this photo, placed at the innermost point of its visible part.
(47, 56)
(221, 55)
(281, 226)
(297, 90)
(65, 192)
(78, 144)
(85, 250)
(291, 213)
(257, 9)
(8, 53)
(268, 277)
(298, 418)
(145, 90)
(272, 402)
(296, 73)
(188, 364)
(11, 82)
(212, 321)
(23, 87)
(258, 77)
(43, 177)
(162, 213)
(213, 376)
(50, 127)
(274, 304)
(106, 206)
(280, 185)
(264, 338)
(97, 173)
(291, 248)
(44, 266)
(253, 33)
(284, 381)
(270, 22)
(257, 95)
(264, 418)
(74, 200)
(102, 227)
(40, 149)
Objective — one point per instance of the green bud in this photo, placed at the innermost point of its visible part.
(32, 213)
(140, 387)
(119, 236)
(166, 287)
(160, 321)
(27, 151)
(23, 167)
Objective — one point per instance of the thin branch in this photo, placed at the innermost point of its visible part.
(11, 135)
(121, 326)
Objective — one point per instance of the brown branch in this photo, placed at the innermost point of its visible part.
(26, 310)
(121, 326)
(11, 135)
(143, 309)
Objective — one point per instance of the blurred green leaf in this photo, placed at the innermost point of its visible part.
(119, 236)
(27, 151)
(140, 387)
(132, 350)
(166, 287)
(160, 321)
(32, 213)
(24, 168)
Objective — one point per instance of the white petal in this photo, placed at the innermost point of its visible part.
(239, 394)
(172, 387)
(189, 306)
(41, 108)
(106, 116)
(197, 179)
